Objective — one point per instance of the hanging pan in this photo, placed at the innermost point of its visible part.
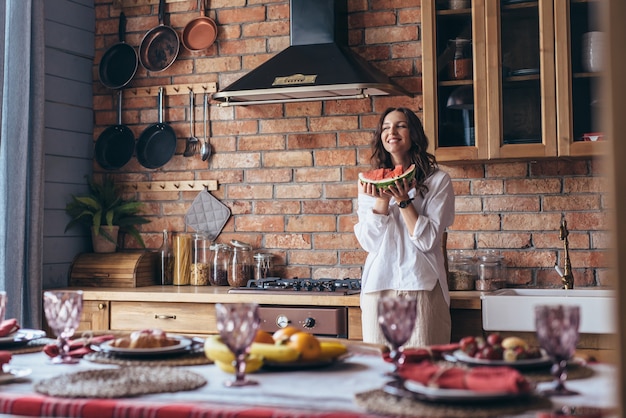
(157, 143)
(119, 63)
(115, 145)
(159, 46)
(201, 32)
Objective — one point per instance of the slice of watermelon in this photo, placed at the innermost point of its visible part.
(385, 177)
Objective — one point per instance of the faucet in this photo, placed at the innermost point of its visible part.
(567, 278)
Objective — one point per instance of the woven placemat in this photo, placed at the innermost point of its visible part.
(120, 383)
(574, 371)
(380, 402)
(191, 359)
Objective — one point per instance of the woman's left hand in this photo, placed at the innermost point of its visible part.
(400, 189)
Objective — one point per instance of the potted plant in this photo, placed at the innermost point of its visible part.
(106, 213)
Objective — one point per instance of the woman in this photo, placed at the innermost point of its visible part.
(401, 229)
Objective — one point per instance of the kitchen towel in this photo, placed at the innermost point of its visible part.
(78, 347)
(8, 326)
(207, 214)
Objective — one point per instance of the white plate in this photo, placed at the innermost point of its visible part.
(13, 373)
(183, 345)
(22, 336)
(457, 395)
(544, 360)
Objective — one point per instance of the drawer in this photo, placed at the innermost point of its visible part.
(194, 318)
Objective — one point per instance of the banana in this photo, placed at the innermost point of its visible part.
(332, 349)
(279, 353)
(216, 350)
(253, 363)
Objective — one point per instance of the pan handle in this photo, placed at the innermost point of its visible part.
(119, 107)
(122, 28)
(160, 104)
(161, 11)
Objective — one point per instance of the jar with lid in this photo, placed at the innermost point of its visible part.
(200, 256)
(241, 266)
(460, 67)
(491, 271)
(262, 265)
(165, 260)
(182, 243)
(462, 271)
(221, 254)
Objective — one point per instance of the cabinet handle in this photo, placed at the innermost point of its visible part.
(157, 316)
(102, 306)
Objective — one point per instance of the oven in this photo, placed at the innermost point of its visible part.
(326, 321)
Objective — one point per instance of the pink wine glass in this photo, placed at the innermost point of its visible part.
(63, 309)
(557, 332)
(396, 317)
(237, 324)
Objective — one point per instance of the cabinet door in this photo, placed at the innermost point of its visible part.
(95, 316)
(578, 77)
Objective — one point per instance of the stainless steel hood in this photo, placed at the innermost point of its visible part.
(318, 65)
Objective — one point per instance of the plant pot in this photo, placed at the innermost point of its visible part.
(101, 244)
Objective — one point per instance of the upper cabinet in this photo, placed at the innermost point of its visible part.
(511, 78)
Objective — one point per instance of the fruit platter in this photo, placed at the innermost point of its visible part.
(494, 350)
(286, 349)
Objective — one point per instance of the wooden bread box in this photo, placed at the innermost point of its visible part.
(120, 269)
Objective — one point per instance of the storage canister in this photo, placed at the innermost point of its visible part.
(491, 272)
(262, 266)
(182, 258)
(221, 254)
(200, 260)
(241, 266)
(461, 271)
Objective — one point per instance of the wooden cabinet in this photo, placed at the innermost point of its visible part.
(526, 95)
(95, 316)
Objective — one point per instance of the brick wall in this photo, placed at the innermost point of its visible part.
(288, 172)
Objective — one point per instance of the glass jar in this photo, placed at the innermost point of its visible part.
(241, 266)
(222, 254)
(165, 260)
(182, 243)
(460, 67)
(491, 272)
(462, 271)
(201, 253)
(262, 265)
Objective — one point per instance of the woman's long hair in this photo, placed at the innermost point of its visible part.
(425, 162)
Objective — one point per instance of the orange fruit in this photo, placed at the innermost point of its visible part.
(263, 337)
(307, 344)
(283, 334)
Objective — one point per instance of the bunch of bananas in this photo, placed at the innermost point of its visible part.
(281, 351)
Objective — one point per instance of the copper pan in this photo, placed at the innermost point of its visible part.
(200, 33)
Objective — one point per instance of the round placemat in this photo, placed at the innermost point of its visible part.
(378, 401)
(574, 371)
(120, 383)
(192, 359)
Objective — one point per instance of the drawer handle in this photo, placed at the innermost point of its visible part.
(157, 316)
(100, 275)
(102, 306)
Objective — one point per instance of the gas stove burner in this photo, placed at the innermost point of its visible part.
(343, 286)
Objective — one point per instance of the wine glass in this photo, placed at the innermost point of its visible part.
(557, 332)
(63, 309)
(237, 324)
(396, 317)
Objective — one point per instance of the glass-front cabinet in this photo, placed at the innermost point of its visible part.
(510, 78)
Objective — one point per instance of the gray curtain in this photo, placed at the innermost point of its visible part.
(21, 158)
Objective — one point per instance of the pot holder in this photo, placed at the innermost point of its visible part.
(207, 214)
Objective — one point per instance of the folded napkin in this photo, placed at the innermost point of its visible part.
(5, 357)
(78, 347)
(480, 379)
(433, 352)
(8, 326)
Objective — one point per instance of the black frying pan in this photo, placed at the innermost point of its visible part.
(115, 145)
(159, 47)
(157, 143)
(119, 63)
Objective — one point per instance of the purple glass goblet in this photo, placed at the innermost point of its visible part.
(63, 309)
(396, 317)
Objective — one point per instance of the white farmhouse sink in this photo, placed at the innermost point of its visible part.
(514, 309)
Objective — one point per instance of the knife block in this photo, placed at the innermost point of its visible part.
(120, 269)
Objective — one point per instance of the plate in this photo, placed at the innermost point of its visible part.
(21, 336)
(544, 360)
(182, 346)
(12, 373)
(303, 365)
(525, 71)
(426, 393)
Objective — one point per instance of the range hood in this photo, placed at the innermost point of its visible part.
(318, 64)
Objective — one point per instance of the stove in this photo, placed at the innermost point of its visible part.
(275, 285)
(331, 321)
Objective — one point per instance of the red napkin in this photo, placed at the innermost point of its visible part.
(479, 379)
(78, 347)
(8, 326)
(433, 352)
(5, 357)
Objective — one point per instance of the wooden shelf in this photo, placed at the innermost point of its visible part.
(172, 89)
(136, 3)
(170, 186)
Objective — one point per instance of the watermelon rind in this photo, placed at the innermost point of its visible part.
(409, 173)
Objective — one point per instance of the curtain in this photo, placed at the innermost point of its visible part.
(21, 158)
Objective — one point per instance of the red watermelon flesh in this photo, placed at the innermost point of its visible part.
(383, 177)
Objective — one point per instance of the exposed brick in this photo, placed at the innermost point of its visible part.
(506, 170)
(262, 143)
(337, 273)
(234, 127)
(529, 222)
(371, 19)
(335, 207)
(283, 125)
(581, 221)
(476, 222)
(352, 257)
(334, 123)
(550, 239)
(326, 174)
(314, 258)
(601, 240)
(571, 202)
(347, 139)
(312, 141)
(285, 207)
(311, 223)
(465, 171)
(487, 187)
(252, 30)
(335, 157)
(293, 241)
(258, 191)
(557, 168)
(260, 223)
(467, 204)
(335, 241)
(346, 223)
(295, 191)
(346, 107)
(460, 240)
(241, 15)
(503, 240)
(232, 160)
(340, 191)
(391, 34)
(531, 258)
(303, 109)
(269, 175)
(511, 204)
(585, 184)
(288, 159)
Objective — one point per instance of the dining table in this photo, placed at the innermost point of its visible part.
(350, 387)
